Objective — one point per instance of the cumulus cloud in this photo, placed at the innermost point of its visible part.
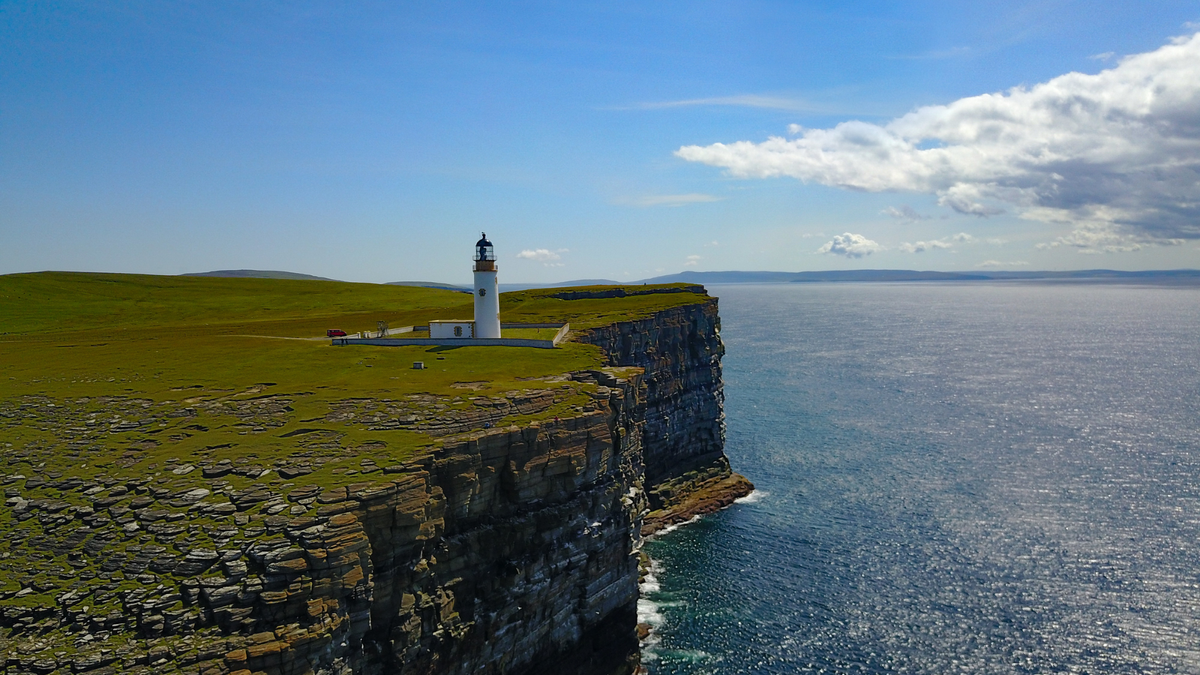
(850, 245)
(922, 246)
(1115, 156)
(539, 255)
(544, 256)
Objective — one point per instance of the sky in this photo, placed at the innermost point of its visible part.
(623, 140)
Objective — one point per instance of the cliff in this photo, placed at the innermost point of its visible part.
(680, 350)
(499, 550)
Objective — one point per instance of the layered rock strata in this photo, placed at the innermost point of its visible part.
(680, 350)
(494, 554)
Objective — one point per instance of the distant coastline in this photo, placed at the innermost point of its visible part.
(1188, 277)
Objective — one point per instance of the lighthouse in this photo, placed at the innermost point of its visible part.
(487, 291)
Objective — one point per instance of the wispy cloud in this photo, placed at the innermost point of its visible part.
(692, 261)
(669, 200)
(935, 244)
(922, 246)
(933, 55)
(741, 100)
(1103, 57)
(904, 212)
(850, 245)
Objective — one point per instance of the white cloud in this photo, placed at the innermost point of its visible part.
(850, 245)
(538, 254)
(692, 261)
(922, 246)
(943, 243)
(1103, 57)
(1115, 156)
(903, 212)
(544, 255)
(670, 200)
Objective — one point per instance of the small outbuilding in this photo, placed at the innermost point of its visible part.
(457, 328)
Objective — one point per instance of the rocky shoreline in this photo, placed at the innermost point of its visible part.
(697, 494)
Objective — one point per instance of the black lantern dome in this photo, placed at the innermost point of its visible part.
(483, 248)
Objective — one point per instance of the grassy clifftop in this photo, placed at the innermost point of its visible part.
(145, 414)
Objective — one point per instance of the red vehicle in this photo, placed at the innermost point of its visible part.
(334, 332)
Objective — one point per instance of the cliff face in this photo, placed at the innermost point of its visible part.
(680, 350)
(496, 554)
(506, 552)
(514, 549)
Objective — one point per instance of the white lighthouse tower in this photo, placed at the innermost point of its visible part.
(487, 291)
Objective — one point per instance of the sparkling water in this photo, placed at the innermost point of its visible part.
(971, 478)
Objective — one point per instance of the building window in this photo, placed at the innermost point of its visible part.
(482, 292)
(458, 331)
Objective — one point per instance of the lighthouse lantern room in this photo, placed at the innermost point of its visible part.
(487, 291)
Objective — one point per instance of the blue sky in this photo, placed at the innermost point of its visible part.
(374, 141)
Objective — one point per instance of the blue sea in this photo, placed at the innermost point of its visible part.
(952, 478)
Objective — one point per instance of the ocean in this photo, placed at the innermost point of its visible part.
(952, 478)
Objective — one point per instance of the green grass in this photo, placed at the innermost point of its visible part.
(540, 306)
(111, 304)
(529, 333)
(92, 344)
(50, 304)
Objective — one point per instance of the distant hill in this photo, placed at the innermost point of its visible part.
(1156, 276)
(256, 274)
